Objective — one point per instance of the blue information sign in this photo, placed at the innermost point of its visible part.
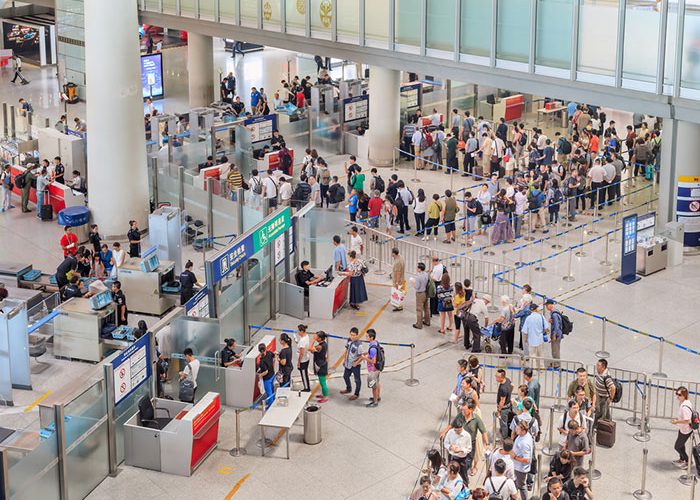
(132, 368)
(261, 127)
(628, 267)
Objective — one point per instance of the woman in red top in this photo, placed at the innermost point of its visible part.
(69, 242)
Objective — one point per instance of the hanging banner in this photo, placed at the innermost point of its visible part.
(628, 266)
(688, 208)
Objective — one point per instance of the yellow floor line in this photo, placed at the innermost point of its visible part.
(237, 487)
(41, 398)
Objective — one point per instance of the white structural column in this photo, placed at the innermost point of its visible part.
(200, 66)
(117, 175)
(679, 149)
(384, 109)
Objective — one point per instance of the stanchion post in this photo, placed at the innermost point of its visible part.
(238, 451)
(689, 478)
(581, 252)
(603, 353)
(538, 480)
(557, 236)
(642, 493)
(593, 473)
(569, 276)
(643, 436)
(551, 449)
(595, 212)
(540, 268)
(606, 260)
(660, 373)
(633, 420)
(529, 236)
(558, 406)
(616, 221)
(651, 196)
(494, 431)
(520, 256)
(415, 170)
(412, 381)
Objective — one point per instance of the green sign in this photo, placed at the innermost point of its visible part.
(273, 228)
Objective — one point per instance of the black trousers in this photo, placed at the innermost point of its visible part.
(463, 467)
(304, 371)
(681, 440)
(597, 191)
(471, 324)
(469, 162)
(507, 339)
(403, 219)
(434, 302)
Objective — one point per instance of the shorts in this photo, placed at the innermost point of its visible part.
(372, 379)
(373, 221)
(449, 227)
(272, 202)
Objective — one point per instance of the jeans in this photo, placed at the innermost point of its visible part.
(518, 224)
(420, 222)
(681, 440)
(355, 371)
(5, 198)
(39, 202)
(554, 215)
(572, 207)
(521, 484)
(304, 371)
(324, 195)
(269, 385)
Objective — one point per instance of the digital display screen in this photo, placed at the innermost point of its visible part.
(23, 40)
(152, 76)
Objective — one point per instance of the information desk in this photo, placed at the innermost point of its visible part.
(60, 195)
(182, 444)
(78, 330)
(283, 417)
(241, 381)
(326, 301)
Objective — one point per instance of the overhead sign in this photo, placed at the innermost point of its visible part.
(261, 127)
(411, 95)
(132, 368)
(628, 268)
(152, 75)
(198, 305)
(356, 108)
(688, 209)
(244, 248)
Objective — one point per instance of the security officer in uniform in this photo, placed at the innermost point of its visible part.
(73, 288)
(70, 263)
(134, 236)
(229, 357)
(120, 299)
(187, 283)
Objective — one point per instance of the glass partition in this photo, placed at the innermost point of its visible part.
(348, 21)
(513, 30)
(441, 25)
(225, 221)
(596, 49)
(641, 41)
(259, 286)
(553, 43)
(377, 23)
(321, 18)
(187, 8)
(170, 6)
(690, 66)
(325, 134)
(126, 408)
(152, 5)
(296, 16)
(477, 20)
(199, 334)
(670, 60)
(271, 15)
(196, 202)
(227, 11)
(86, 440)
(207, 10)
(249, 13)
(407, 24)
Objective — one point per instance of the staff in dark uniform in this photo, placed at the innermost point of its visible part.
(70, 263)
(84, 267)
(72, 289)
(120, 299)
(134, 236)
(187, 283)
(229, 357)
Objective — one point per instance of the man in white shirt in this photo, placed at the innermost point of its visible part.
(436, 275)
(458, 444)
(270, 191)
(480, 309)
(356, 242)
(416, 140)
(597, 176)
(520, 198)
(572, 414)
(315, 195)
(256, 189)
(435, 118)
(191, 370)
(499, 484)
(609, 180)
(503, 453)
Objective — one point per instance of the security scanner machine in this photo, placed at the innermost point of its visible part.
(165, 235)
(323, 98)
(11, 272)
(171, 436)
(143, 281)
(81, 326)
(652, 250)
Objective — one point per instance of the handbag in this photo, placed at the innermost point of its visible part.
(486, 218)
(186, 393)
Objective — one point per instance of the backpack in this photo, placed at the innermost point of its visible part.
(379, 183)
(21, 180)
(285, 159)
(398, 201)
(565, 146)
(694, 418)
(479, 208)
(533, 201)
(557, 196)
(257, 185)
(496, 495)
(618, 389)
(186, 393)
(339, 194)
(381, 358)
(567, 325)
(523, 139)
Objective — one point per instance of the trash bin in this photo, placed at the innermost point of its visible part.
(312, 424)
(78, 218)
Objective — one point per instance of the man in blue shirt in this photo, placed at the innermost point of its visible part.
(340, 262)
(571, 108)
(254, 99)
(535, 335)
(556, 331)
(522, 452)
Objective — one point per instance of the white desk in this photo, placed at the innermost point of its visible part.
(283, 417)
(551, 112)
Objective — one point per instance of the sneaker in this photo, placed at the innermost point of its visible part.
(346, 391)
(323, 399)
(417, 327)
(353, 397)
(681, 464)
(373, 404)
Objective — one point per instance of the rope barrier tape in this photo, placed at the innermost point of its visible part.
(329, 335)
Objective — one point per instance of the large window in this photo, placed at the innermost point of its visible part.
(249, 13)
(296, 16)
(477, 19)
(597, 47)
(671, 30)
(321, 18)
(641, 41)
(271, 15)
(441, 25)
(408, 25)
(377, 23)
(690, 62)
(553, 43)
(513, 30)
(348, 20)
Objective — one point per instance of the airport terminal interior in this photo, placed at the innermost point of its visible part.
(342, 249)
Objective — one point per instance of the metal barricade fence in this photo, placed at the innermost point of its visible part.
(662, 396)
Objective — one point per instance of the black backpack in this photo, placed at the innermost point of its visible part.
(567, 326)
(479, 208)
(523, 139)
(339, 194)
(21, 180)
(381, 358)
(618, 390)
(565, 147)
(379, 183)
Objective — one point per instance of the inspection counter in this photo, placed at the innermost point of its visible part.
(328, 297)
(79, 329)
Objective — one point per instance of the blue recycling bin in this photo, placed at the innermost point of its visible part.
(78, 218)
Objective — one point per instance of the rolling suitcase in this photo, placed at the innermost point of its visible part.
(606, 433)
(649, 172)
(46, 211)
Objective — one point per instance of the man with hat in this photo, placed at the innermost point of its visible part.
(535, 335)
(480, 312)
(556, 331)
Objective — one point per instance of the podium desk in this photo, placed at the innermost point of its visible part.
(327, 301)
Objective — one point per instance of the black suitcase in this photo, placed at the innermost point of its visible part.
(696, 457)
(46, 211)
(606, 433)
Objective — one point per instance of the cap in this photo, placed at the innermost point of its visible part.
(533, 306)
(549, 302)
(486, 297)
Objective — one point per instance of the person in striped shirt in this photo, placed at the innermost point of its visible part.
(234, 181)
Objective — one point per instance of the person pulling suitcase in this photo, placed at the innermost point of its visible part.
(18, 71)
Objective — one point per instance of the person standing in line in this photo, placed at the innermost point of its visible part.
(522, 452)
(256, 189)
(356, 271)
(270, 191)
(573, 186)
(458, 444)
(420, 285)
(451, 483)
(324, 176)
(498, 484)
(398, 275)
(434, 209)
(6, 181)
(604, 389)
(416, 140)
(340, 262)
(556, 324)
(448, 215)
(190, 371)
(356, 242)
(419, 208)
(18, 71)
(444, 294)
(577, 442)
(578, 487)
(507, 325)
(535, 335)
(266, 370)
(303, 356)
(134, 236)
(320, 350)
(685, 415)
(436, 273)
(479, 316)
(42, 188)
(597, 176)
(533, 385)
(555, 491)
(352, 363)
(375, 210)
(372, 357)
(284, 358)
(503, 401)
